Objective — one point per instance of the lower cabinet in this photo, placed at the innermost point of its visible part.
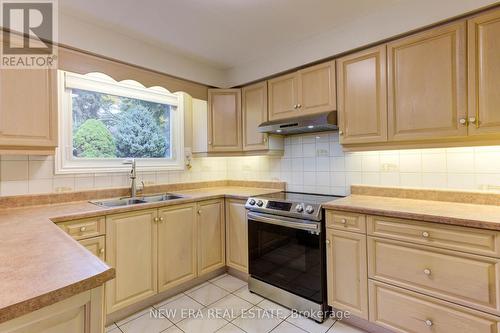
(131, 240)
(96, 245)
(404, 311)
(211, 236)
(347, 272)
(236, 235)
(177, 237)
(83, 313)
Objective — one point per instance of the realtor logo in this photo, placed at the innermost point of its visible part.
(36, 20)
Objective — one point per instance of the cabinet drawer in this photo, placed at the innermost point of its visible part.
(84, 228)
(466, 279)
(484, 242)
(96, 245)
(404, 311)
(346, 221)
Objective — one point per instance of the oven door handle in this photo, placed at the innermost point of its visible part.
(285, 222)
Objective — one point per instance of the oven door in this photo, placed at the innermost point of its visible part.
(287, 253)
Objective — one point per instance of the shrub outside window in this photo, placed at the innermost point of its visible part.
(103, 122)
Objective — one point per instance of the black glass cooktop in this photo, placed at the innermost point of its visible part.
(310, 198)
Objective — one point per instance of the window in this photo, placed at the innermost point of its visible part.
(104, 122)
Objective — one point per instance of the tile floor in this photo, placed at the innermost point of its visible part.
(222, 305)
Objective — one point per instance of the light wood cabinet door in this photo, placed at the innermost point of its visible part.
(283, 96)
(224, 120)
(317, 91)
(347, 272)
(427, 90)
(131, 240)
(236, 235)
(254, 108)
(95, 245)
(484, 73)
(211, 236)
(28, 108)
(176, 245)
(362, 99)
(402, 311)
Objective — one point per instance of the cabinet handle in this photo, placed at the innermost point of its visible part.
(425, 234)
(101, 250)
(428, 323)
(265, 139)
(463, 122)
(427, 271)
(199, 211)
(82, 229)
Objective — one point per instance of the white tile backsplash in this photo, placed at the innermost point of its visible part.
(312, 162)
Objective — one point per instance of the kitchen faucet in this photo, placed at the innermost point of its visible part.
(133, 176)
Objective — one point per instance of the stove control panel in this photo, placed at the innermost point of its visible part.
(299, 210)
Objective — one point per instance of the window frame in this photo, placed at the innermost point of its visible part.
(65, 163)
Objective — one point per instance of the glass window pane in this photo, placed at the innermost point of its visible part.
(109, 126)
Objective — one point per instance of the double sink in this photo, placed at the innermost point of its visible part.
(137, 200)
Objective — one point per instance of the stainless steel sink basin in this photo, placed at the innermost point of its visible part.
(161, 197)
(136, 201)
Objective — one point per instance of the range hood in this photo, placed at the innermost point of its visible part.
(305, 124)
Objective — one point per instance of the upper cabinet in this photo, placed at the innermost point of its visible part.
(362, 96)
(224, 120)
(307, 91)
(484, 73)
(28, 110)
(254, 102)
(427, 91)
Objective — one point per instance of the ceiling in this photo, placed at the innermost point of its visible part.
(246, 39)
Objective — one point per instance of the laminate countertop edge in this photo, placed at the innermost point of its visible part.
(450, 213)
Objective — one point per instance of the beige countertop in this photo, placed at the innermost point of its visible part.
(41, 265)
(455, 213)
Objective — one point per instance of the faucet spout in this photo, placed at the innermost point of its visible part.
(133, 176)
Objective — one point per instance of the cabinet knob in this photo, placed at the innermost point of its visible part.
(82, 229)
(265, 139)
(210, 142)
(473, 120)
(155, 220)
(199, 211)
(427, 271)
(161, 219)
(101, 250)
(463, 121)
(425, 234)
(299, 106)
(428, 323)
(295, 106)
(343, 221)
(341, 132)
(327, 242)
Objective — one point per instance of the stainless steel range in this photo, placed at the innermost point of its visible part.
(286, 249)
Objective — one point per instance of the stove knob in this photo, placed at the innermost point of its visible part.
(309, 209)
(299, 208)
(252, 202)
(260, 203)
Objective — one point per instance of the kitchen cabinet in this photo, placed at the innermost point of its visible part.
(484, 73)
(224, 120)
(346, 272)
(82, 313)
(427, 92)
(254, 108)
(28, 110)
(177, 237)
(131, 240)
(96, 245)
(307, 91)
(362, 96)
(236, 235)
(211, 236)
